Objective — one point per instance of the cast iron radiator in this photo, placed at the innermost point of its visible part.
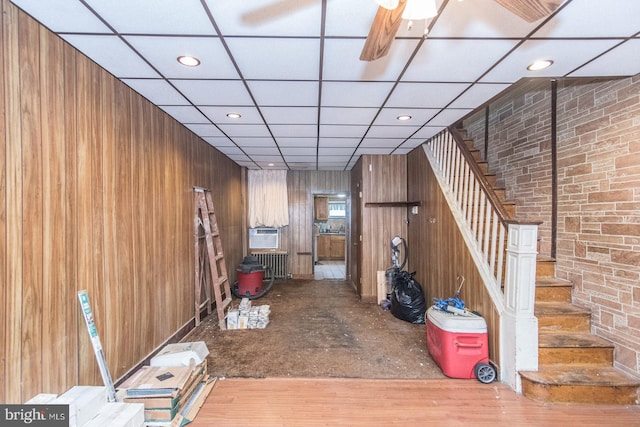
(276, 260)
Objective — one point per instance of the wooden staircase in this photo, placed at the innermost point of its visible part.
(574, 366)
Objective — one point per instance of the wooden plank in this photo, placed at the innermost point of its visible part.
(4, 317)
(109, 197)
(69, 288)
(53, 232)
(123, 291)
(87, 368)
(32, 250)
(96, 286)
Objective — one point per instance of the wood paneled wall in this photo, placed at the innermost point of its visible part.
(297, 237)
(383, 179)
(95, 193)
(437, 251)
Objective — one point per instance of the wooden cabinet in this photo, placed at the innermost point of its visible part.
(337, 247)
(331, 247)
(324, 246)
(321, 208)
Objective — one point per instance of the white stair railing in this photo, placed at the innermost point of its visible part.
(485, 226)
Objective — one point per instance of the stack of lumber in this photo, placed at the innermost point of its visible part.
(163, 390)
(173, 387)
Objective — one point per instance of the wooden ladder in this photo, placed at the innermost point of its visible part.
(210, 267)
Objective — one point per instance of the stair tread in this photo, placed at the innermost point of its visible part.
(581, 375)
(572, 340)
(552, 282)
(556, 308)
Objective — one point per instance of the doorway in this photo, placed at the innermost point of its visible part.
(330, 235)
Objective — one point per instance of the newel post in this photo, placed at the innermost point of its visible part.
(519, 326)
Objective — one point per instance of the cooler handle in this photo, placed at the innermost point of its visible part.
(465, 345)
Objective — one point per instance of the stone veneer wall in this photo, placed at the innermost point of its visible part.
(598, 164)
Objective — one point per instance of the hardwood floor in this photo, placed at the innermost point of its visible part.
(361, 402)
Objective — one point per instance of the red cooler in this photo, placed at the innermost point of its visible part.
(457, 343)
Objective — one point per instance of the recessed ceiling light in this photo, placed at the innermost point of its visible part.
(540, 64)
(404, 117)
(234, 115)
(270, 164)
(189, 61)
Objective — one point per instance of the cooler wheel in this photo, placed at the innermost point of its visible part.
(485, 373)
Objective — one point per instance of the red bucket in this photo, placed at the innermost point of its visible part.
(250, 284)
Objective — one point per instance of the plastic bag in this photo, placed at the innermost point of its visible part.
(407, 299)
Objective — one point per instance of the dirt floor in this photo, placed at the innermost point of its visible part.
(318, 329)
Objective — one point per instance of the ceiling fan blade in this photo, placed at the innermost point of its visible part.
(383, 30)
(531, 10)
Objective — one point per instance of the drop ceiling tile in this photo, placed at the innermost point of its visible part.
(338, 142)
(425, 95)
(267, 158)
(566, 54)
(448, 116)
(350, 18)
(185, 114)
(154, 16)
(232, 151)
(162, 53)
(479, 18)
(381, 142)
(380, 151)
(241, 130)
(389, 116)
(112, 54)
(614, 63)
(296, 142)
(262, 151)
(290, 115)
(282, 93)
(294, 130)
(267, 17)
(214, 92)
(219, 141)
(478, 94)
(63, 16)
(299, 159)
(355, 94)
(335, 151)
(427, 132)
(342, 131)
(204, 130)
(594, 18)
(250, 115)
(448, 60)
(392, 131)
(253, 141)
(341, 60)
(157, 91)
(276, 58)
(346, 115)
(298, 151)
(334, 160)
(415, 142)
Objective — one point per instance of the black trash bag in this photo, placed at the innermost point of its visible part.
(407, 299)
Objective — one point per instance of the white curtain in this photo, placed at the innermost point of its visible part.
(268, 201)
